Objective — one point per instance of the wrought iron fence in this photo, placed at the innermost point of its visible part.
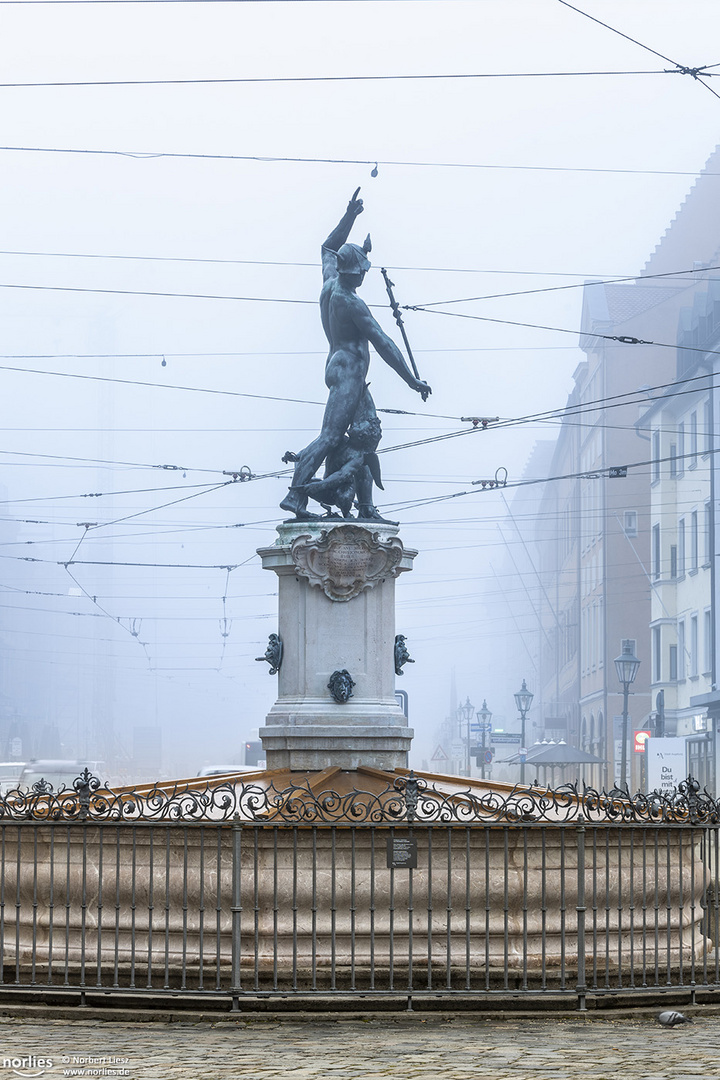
(405, 889)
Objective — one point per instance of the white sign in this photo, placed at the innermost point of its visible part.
(666, 764)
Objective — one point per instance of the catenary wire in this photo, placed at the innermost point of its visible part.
(682, 69)
(149, 155)
(584, 284)
(294, 79)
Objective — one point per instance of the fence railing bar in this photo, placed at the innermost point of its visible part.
(218, 907)
(391, 916)
(151, 904)
(51, 907)
(33, 960)
(275, 909)
(333, 906)
(580, 906)
(411, 916)
(314, 909)
(372, 908)
(201, 911)
(595, 909)
(631, 907)
(118, 906)
(448, 911)
(235, 914)
(429, 910)
(68, 902)
(669, 837)
(133, 907)
(656, 904)
(488, 907)
(167, 908)
(563, 914)
(506, 907)
(98, 952)
(468, 909)
(295, 907)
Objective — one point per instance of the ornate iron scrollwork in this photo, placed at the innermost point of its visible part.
(405, 798)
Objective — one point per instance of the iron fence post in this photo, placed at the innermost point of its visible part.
(236, 913)
(581, 986)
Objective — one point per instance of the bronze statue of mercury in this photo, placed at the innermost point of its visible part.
(350, 329)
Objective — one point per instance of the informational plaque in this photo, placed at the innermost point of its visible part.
(401, 853)
(345, 560)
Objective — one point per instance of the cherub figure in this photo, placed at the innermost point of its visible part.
(350, 469)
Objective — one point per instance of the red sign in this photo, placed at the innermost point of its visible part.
(641, 738)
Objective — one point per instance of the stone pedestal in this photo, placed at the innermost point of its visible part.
(336, 614)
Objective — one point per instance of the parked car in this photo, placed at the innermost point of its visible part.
(224, 770)
(60, 773)
(10, 775)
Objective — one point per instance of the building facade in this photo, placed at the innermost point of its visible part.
(626, 536)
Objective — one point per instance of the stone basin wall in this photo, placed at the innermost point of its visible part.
(152, 905)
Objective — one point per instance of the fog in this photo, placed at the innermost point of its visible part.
(158, 303)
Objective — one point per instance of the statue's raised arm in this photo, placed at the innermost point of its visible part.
(339, 236)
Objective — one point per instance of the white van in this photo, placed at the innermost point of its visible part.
(58, 772)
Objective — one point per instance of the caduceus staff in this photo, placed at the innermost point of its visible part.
(390, 285)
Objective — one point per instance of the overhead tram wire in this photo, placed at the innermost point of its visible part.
(602, 280)
(622, 339)
(145, 155)
(617, 400)
(674, 275)
(590, 474)
(200, 390)
(680, 69)
(317, 266)
(295, 79)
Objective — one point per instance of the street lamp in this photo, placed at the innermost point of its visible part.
(626, 666)
(523, 700)
(466, 712)
(484, 716)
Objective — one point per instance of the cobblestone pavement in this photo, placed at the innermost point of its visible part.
(395, 1048)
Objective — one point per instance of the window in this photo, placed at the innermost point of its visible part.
(673, 460)
(673, 560)
(655, 472)
(706, 535)
(707, 428)
(656, 654)
(693, 542)
(707, 642)
(693, 440)
(656, 551)
(681, 649)
(693, 646)
(601, 635)
(673, 663)
(681, 448)
(630, 523)
(681, 547)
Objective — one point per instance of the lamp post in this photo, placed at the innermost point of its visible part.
(484, 716)
(466, 712)
(626, 666)
(523, 700)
